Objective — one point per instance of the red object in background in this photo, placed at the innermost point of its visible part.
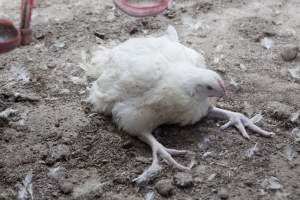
(26, 32)
(142, 10)
(10, 36)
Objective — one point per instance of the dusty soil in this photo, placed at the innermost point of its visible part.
(74, 153)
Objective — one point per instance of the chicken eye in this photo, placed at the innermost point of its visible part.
(209, 87)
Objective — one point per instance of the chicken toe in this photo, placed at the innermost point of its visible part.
(239, 121)
(158, 150)
(149, 173)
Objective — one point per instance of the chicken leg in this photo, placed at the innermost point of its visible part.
(238, 120)
(158, 150)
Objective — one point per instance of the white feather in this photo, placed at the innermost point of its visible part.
(94, 60)
(25, 192)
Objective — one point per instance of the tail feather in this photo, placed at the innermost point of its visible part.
(94, 61)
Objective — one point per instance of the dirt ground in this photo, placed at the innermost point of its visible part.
(74, 153)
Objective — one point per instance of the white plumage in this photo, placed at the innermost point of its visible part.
(146, 82)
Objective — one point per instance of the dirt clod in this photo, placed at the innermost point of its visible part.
(165, 187)
(279, 110)
(3, 122)
(66, 187)
(290, 53)
(39, 35)
(255, 28)
(183, 180)
(271, 183)
(7, 195)
(60, 152)
(203, 7)
(223, 194)
(57, 173)
(91, 189)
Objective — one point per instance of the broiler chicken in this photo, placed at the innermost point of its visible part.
(147, 82)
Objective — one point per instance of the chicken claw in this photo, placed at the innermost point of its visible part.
(158, 150)
(239, 121)
(149, 173)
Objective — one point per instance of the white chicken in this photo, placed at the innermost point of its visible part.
(147, 82)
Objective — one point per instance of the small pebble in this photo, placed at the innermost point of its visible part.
(102, 36)
(39, 35)
(205, 144)
(183, 180)
(60, 152)
(249, 183)
(236, 86)
(295, 72)
(289, 53)
(295, 116)
(65, 91)
(127, 144)
(133, 31)
(57, 173)
(183, 10)
(211, 177)
(51, 65)
(54, 194)
(77, 80)
(66, 187)
(289, 152)
(296, 135)
(271, 183)
(164, 187)
(221, 69)
(170, 14)
(123, 180)
(223, 193)
(59, 44)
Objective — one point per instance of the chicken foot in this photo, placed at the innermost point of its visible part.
(158, 150)
(237, 120)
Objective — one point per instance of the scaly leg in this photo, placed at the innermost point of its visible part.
(158, 149)
(176, 152)
(239, 121)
